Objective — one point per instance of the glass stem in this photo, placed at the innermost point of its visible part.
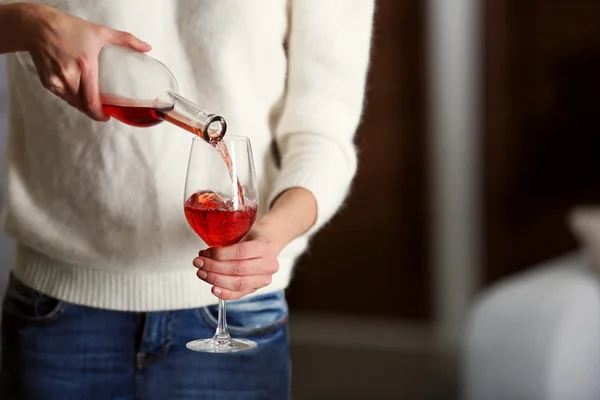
(222, 333)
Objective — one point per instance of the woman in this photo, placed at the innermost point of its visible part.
(102, 299)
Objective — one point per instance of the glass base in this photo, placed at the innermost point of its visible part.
(220, 346)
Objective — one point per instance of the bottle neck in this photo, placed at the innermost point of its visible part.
(189, 116)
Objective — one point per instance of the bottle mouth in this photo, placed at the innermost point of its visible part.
(215, 128)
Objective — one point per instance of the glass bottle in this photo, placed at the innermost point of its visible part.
(141, 91)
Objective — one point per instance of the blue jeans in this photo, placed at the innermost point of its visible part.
(55, 350)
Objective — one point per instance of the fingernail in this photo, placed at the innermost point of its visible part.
(202, 274)
(217, 291)
(198, 263)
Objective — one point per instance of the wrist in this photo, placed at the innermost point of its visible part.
(28, 18)
(268, 227)
(291, 215)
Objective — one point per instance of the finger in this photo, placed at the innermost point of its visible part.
(126, 39)
(253, 266)
(49, 80)
(71, 77)
(89, 92)
(55, 85)
(235, 283)
(238, 251)
(226, 294)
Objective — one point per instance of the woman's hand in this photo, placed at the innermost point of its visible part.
(240, 269)
(65, 51)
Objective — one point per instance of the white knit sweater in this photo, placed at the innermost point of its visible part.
(96, 208)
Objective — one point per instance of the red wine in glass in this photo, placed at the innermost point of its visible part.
(216, 221)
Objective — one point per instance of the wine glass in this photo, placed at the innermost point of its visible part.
(221, 204)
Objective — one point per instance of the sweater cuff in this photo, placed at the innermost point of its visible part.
(320, 165)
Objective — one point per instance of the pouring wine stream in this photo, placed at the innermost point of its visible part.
(183, 114)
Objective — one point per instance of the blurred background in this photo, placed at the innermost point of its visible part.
(480, 134)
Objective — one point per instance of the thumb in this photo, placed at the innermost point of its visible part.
(126, 39)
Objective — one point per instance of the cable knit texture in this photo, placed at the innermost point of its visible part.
(97, 208)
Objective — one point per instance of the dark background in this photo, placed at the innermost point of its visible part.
(540, 129)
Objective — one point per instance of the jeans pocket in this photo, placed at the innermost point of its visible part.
(257, 316)
(28, 304)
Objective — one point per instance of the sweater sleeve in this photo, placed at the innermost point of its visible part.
(328, 55)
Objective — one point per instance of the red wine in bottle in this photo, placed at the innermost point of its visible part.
(141, 117)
